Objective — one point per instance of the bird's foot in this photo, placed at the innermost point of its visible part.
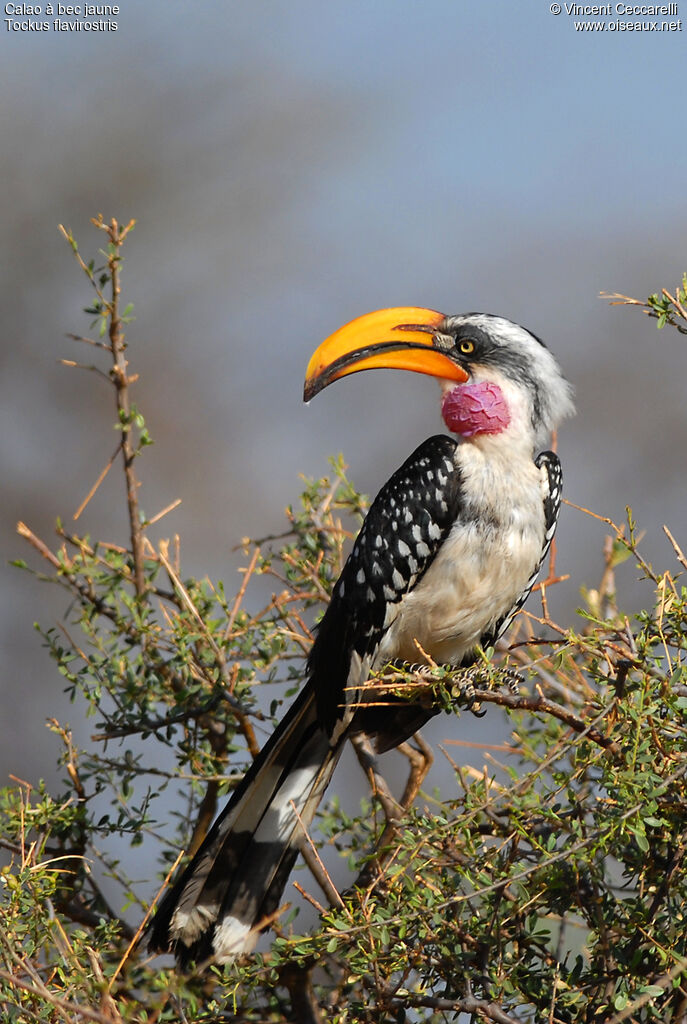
(513, 681)
(480, 676)
(464, 684)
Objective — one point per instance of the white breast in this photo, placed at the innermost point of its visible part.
(481, 568)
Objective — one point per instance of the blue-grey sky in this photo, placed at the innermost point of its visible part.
(292, 165)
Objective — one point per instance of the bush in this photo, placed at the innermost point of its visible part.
(551, 890)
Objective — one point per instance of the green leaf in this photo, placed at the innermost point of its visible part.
(619, 553)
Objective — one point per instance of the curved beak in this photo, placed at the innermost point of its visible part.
(401, 338)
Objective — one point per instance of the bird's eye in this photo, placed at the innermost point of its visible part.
(466, 347)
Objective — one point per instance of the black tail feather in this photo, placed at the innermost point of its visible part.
(237, 877)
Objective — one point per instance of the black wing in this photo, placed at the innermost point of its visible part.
(402, 532)
(552, 502)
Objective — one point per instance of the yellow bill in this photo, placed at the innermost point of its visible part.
(400, 338)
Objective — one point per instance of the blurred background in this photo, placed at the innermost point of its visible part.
(291, 166)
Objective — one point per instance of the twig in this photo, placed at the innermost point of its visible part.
(62, 1005)
(676, 547)
(309, 897)
(89, 341)
(96, 485)
(72, 364)
(122, 381)
(141, 927)
(244, 724)
(427, 688)
(662, 982)
(321, 874)
(165, 511)
(542, 705)
(109, 309)
(41, 547)
(241, 593)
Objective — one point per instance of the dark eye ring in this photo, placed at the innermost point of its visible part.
(467, 347)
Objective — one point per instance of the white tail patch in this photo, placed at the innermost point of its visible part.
(232, 938)
(278, 819)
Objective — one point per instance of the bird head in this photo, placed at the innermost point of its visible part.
(496, 378)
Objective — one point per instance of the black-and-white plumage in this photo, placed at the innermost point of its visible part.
(448, 553)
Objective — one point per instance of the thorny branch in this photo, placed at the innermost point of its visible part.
(420, 689)
(668, 308)
(469, 1004)
(108, 309)
(420, 760)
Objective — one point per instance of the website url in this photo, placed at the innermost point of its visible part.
(628, 26)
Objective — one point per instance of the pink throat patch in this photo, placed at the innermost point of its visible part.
(470, 409)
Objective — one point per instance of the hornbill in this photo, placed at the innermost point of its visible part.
(448, 552)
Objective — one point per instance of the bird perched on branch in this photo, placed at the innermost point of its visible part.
(448, 552)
